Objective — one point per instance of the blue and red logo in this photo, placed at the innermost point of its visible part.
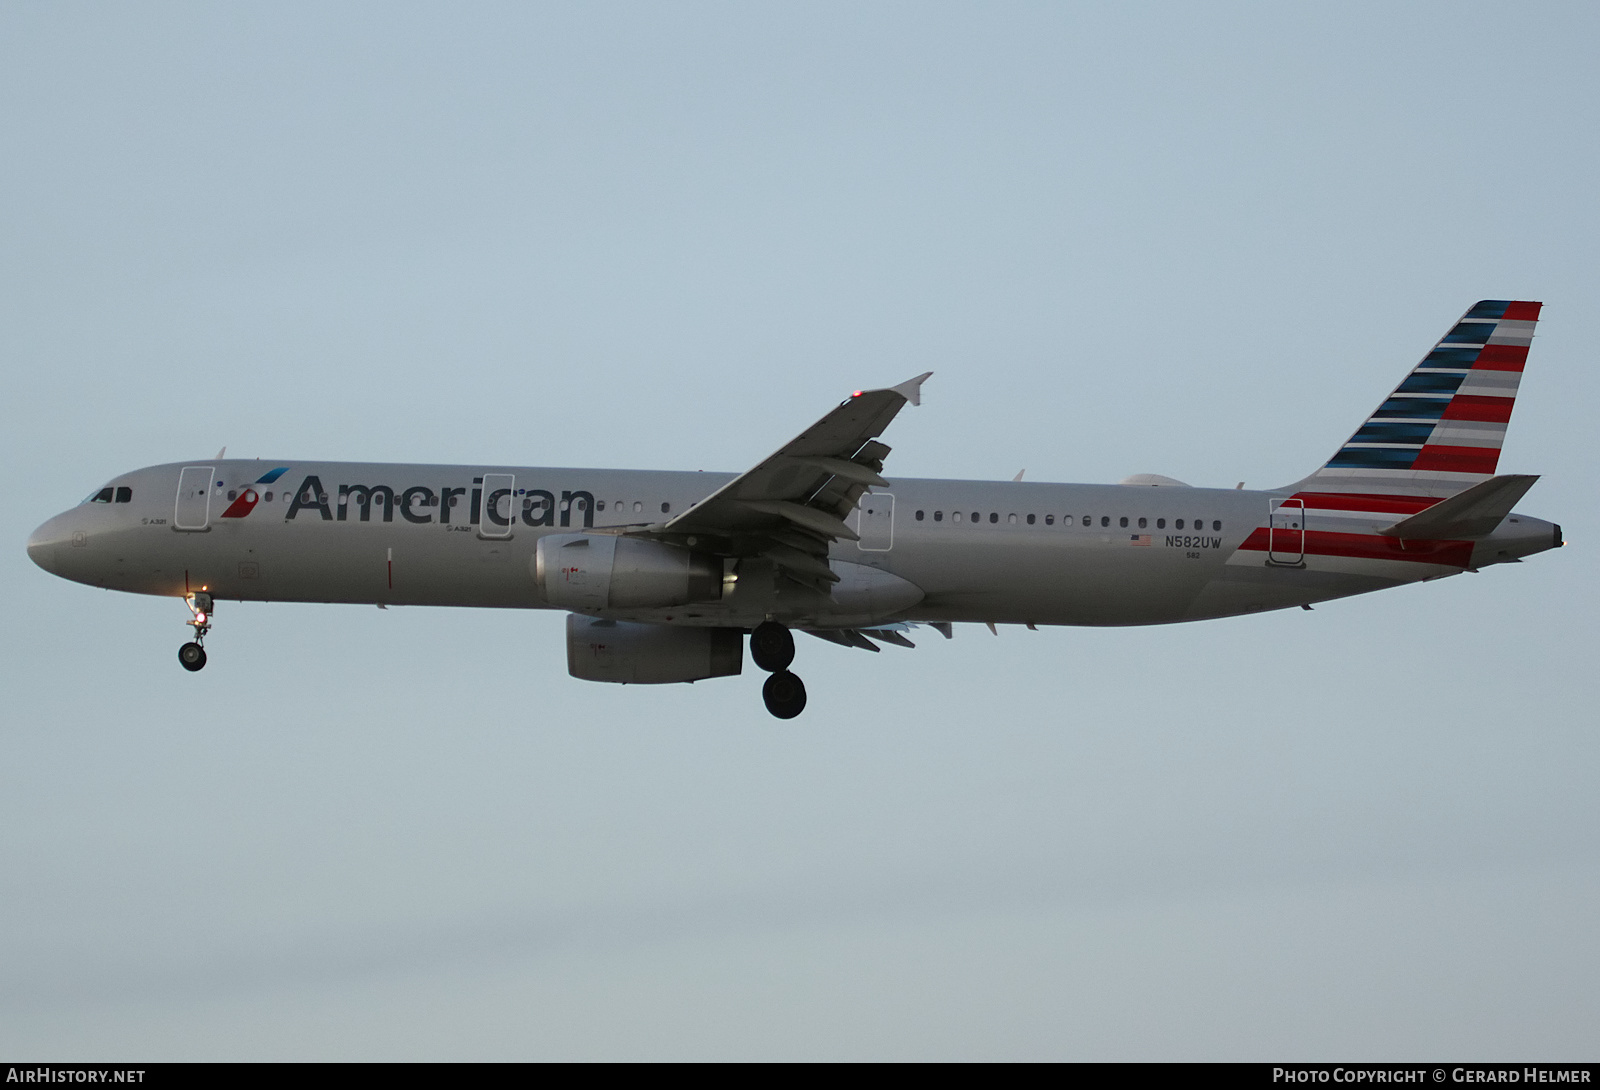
(247, 500)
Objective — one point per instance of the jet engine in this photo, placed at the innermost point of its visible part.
(603, 571)
(650, 654)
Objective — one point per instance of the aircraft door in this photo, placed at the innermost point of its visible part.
(876, 522)
(499, 505)
(1286, 533)
(193, 508)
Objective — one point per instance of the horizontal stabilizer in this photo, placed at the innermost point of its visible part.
(1467, 515)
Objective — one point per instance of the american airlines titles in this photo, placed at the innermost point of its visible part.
(417, 504)
(539, 507)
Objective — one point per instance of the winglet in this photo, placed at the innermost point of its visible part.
(911, 388)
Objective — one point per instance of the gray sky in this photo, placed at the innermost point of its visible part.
(1200, 241)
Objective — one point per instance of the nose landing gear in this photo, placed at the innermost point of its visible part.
(193, 655)
(772, 648)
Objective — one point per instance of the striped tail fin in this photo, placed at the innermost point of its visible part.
(1440, 432)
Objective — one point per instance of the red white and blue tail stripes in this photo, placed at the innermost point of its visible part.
(1440, 431)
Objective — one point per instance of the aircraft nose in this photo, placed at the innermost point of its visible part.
(42, 544)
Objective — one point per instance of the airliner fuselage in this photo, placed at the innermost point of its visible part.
(985, 551)
(663, 574)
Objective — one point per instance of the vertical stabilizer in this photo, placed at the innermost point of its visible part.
(1440, 432)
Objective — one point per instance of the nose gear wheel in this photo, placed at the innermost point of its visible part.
(192, 655)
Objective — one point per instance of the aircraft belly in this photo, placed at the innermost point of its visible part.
(407, 566)
(392, 565)
(1091, 579)
(1247, 583)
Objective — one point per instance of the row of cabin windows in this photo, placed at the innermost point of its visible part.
(1066, 520)
(528, 502)
(124, 494)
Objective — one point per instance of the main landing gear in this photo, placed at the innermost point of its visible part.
(772, 648)
(193, 655)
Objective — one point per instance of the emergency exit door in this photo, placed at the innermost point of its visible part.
(1286, 533)
(876, 524)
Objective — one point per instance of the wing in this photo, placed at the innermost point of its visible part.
(793, 505)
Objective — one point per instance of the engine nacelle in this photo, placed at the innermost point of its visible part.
(650, 654)
(603, 571)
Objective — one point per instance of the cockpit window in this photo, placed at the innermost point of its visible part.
(112, 494)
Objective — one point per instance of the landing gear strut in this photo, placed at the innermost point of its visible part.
(193, 655)
(772, 648)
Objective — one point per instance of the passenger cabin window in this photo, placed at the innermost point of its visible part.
(1050, 520)
(938, 516)
(1105, 520)
(1087, 521)
(1123, 522)
(1178, 523)
(665, 507)
(1012, 519)
(1143, 523)
(955, 516)
(994, 516)
(1216, 524)
(976, 517)
(919, 516)
(1030, 520)
(1161, 524)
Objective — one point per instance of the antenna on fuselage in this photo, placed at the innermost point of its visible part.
(220, 454)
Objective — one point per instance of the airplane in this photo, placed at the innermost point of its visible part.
(664, 574)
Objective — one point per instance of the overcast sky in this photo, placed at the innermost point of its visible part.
(1198, 240)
